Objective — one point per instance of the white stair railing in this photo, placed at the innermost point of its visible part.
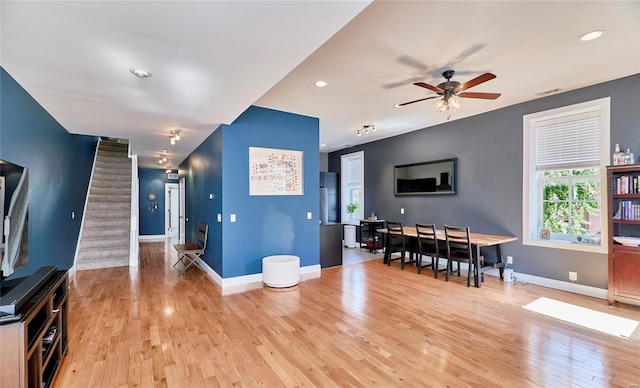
(14, 224)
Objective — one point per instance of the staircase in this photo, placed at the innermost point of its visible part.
(104, 239)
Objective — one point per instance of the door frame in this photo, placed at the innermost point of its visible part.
(167, 205)
(181, 215)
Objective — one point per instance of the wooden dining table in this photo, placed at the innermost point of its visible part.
(478, 240)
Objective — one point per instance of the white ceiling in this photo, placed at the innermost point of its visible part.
(212, 60)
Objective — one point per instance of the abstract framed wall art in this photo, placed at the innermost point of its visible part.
(275, 171)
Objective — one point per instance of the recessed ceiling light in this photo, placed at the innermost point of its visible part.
(323, 145)
(320, 84)
(141, 73)
(592, 35)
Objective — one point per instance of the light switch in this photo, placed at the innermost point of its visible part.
(308, 215)
(73, 215)
(233, 218)
(210, 196)
(219, 217)
(401, 210)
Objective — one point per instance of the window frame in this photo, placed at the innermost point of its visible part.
(348, 184)
(532, 192)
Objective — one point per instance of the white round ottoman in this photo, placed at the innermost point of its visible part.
(281, 270)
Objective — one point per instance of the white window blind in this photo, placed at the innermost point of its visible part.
(567, 142)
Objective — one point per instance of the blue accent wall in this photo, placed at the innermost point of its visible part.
(266, 225)
(152, 213)
(59, 166)
(202, 170)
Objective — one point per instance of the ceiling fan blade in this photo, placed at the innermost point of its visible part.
(430, 87)
(476, 81)
(411, 102)
(486, 96)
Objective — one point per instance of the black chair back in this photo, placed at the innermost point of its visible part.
(427, 244)
(395, 242)
(458, 241)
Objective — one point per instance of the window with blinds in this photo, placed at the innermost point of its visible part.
(564, 154)
(570, 141)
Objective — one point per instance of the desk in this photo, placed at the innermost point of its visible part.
(478, 240)
(372, 231)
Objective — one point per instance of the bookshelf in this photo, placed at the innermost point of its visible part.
(623, 188)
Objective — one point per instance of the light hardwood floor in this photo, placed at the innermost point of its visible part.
(358, 325)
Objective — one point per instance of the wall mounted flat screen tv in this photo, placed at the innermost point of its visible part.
(14, 213)
(436, 177)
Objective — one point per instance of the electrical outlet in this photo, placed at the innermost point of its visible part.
(573, 276)
(401, 210)
(309, 215)
(509, 259)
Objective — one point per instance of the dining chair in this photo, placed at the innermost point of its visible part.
(395, 243)
(188, 254)
(427, 245)
(458, 242)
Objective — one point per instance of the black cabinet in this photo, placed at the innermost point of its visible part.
(330, 245)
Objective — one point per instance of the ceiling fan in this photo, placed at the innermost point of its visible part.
(450, 91)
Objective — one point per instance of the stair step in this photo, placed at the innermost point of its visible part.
(111, 191)
(105, 233)
(120, 182)
(99, 198)
(85, 265)
(120, 179)
(106, 243)
(108, 215)
(109, 206)
(113, 144)
(113, 160)
(107, 224)
(113, 154)
(112, 171)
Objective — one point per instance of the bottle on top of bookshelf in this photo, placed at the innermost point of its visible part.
(617, 155)
(629, 156)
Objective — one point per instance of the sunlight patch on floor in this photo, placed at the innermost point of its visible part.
(606, 323)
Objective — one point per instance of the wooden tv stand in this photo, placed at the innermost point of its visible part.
(27, 358)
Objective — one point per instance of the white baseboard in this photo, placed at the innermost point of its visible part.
(581, 289)
(232, 285)
(152, 237)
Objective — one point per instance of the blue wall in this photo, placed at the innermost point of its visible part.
(266, 225)
(203, 176)
(59, 170)
(152, 180)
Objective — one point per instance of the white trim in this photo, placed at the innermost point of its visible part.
(529, 212)
(344, 187)
(595, 292)
(167, 207)
(153, 237)
(86, 203)
(235, 281)
(135, 211)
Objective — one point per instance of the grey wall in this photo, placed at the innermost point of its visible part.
(324, 162)
(489, 152)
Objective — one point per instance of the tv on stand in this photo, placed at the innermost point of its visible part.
(19, 291)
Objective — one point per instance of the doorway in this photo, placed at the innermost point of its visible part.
(172, 219)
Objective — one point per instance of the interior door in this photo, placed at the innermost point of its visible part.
(173, 210)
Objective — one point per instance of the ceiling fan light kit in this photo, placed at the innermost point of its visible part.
(452, 91)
